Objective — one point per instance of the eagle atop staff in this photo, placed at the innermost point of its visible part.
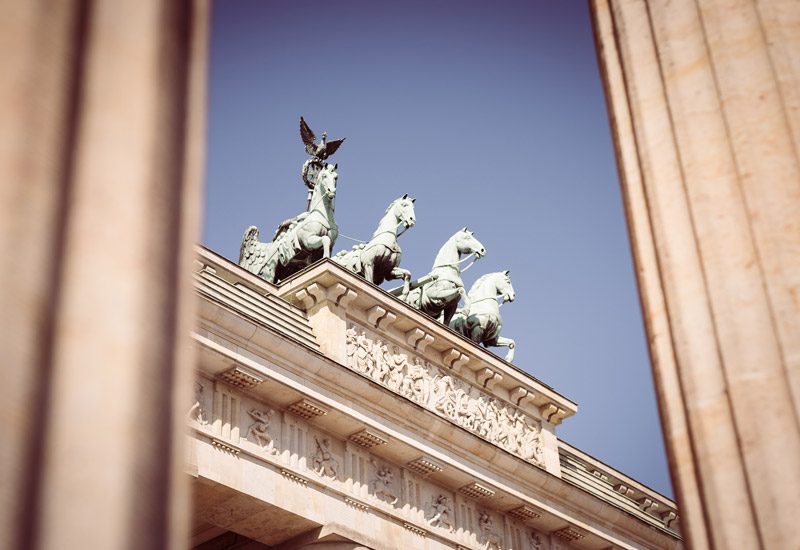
(318, 151)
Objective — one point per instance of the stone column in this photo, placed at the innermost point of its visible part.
(705, 110)
(100, 163)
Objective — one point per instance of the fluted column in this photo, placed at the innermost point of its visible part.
(704, 104)
(100, 157)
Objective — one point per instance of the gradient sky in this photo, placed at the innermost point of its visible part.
(492, 115)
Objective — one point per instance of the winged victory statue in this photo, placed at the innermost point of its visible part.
(319, 152)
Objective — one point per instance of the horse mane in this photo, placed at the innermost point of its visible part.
(480, 281)
(394, 202)
(391, 205)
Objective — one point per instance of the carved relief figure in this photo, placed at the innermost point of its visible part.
(381, 486)
(397, 367)
(417, 382)
(488, 536)
(324, 462)
(535, 540)
(259, 429)
(196, 411)
(364, 356)
(442, 511)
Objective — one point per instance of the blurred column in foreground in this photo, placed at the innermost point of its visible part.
(704, 100)
(100, 159)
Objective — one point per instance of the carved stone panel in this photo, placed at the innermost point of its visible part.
(448, 396)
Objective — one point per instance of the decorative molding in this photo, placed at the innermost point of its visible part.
(521, 396)
(379, 318)
(476, 490)
(357, 504)
(552, 413)
(414, 529)
(241, 377)
(454, 358)
(291, 476)
(424, 466)
(418, 339)
(310, 295)
(315, 294)
(600, 475)
(623, 489)
(224, 447)
(307, 409)
(568, 533)
(669, 518)
(648, 505)
(341, 295)
(487, 378)
(524, 513)
(368, 438)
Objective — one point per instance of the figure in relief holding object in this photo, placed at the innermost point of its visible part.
(441, 510)
(381, 486)
(379, 259)
(196, 411)
(259, 430)
(323, 461)
(489, 537)
(439, 299)
(480, 320)
(299, 241)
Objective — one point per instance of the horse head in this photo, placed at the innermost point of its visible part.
(503, 286)
(468, 244)
(326, 181)
(403, 210)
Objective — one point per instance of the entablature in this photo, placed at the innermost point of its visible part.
(350, 449)
(300, 371)
(328, 284)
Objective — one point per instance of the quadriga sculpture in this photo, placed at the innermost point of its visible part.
(439, 299)
(480, 321)
(378, 260)
(299, 241)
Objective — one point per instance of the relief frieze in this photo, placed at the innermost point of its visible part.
(446, 395)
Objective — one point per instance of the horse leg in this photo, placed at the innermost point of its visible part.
(400, 273)
(476, 331)
(313, 242)
(448, 312)
(508, 343)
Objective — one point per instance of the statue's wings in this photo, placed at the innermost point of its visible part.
(307, 135)
(332, 146)
(252, 255)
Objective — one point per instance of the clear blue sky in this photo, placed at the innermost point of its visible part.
(492, 115)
